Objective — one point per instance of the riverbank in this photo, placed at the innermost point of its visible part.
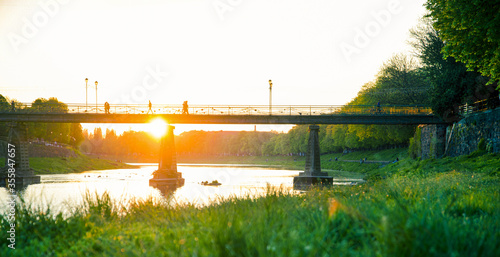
(349, 162)
(79, 163)
(347, 165)
(445, 207)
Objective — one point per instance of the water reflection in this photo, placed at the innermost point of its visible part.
(167, 190)
(64, 192)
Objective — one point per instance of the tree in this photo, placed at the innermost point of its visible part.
(451, 84)
(59, 132)
(76, 134)
(4, 104)
(471, 30)
(399, 82)
(50, 105)
(4, 107)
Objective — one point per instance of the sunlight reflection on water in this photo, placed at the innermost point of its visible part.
(65, 191)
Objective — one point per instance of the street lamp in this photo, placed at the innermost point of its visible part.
(270, 96)
(96, 97)
(86, 86)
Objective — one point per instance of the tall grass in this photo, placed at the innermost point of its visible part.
(436, 213)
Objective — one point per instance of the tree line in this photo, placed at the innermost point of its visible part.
(430, 76)
(64, 133)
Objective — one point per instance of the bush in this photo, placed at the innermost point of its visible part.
(415, 148)
(481, 146)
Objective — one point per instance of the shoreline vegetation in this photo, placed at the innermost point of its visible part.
(348, 164)
(435, 207)
(81, 163)
(76, 164)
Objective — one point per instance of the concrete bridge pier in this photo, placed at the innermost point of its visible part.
(23, 174)
(167, 177)
(312, 174)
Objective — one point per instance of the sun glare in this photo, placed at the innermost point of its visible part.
(157, 127)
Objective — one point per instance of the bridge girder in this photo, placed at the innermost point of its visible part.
(224, 119)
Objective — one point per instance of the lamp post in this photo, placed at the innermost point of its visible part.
(96, 97)
(270, 96)
(86, 86)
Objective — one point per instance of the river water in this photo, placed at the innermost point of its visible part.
(63, 192)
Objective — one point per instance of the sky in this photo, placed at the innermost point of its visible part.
(204, 51)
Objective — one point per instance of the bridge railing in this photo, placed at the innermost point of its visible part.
(225, 109)
(479, 106)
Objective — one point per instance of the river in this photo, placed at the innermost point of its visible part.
(63, 192)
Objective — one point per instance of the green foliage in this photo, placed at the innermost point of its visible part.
(76, 134)
(415, 149)
(4, 103)
(451, 85)
(348, 162)
(399, 82)
(60, 165)
(481, 145)
(471, 31)
(131, 145)
(52, 105)
(58, 132)
(479, 161)
(4, 107)
(229, 142)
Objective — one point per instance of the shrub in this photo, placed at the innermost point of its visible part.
(481, 146)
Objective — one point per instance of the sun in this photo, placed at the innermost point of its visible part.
(157, 127)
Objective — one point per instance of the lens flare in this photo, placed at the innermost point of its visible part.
(157, 127)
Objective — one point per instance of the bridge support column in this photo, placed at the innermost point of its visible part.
(23, 174)
(433, 141)
(312, 174)
(166, 176)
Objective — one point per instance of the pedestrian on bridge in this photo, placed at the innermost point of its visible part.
(13, 105)
(150, 106)
(106, 108)
(185, 108)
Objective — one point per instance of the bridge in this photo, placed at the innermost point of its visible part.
(220, 114)
(167, 175)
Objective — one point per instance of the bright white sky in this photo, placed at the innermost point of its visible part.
(203, 51)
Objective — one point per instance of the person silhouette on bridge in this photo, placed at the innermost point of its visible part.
(13, 105)
(106, 108)
(378, 107)
(185, 107)
(150, 106)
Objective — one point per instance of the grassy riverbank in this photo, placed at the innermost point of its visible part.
(446, 207)
(63, 165)
(328, 162)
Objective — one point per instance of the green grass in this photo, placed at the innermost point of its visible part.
(61, 165)
(482, 162)
(446, 207)
(298, 163)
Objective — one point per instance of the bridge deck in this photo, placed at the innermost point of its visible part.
(206, 114)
